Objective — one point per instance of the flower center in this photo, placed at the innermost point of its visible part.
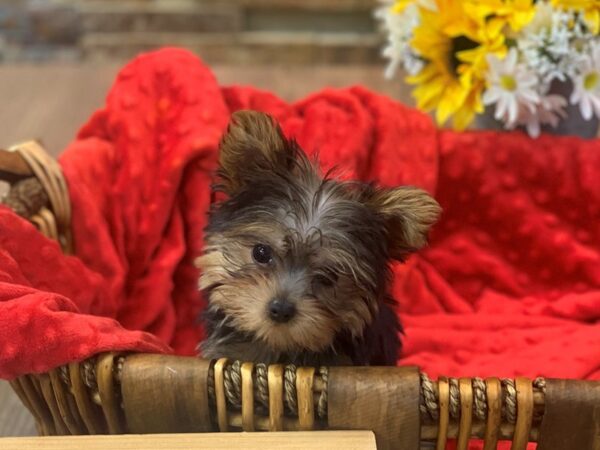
(459, 44)
(590, 82)
(508, 83)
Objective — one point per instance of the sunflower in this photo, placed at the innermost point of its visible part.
(438, 86)
(589, 8)
(471, 106)
(490, 42)
(496, 14)
(454, 46)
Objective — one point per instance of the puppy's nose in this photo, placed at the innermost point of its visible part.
(281, 310)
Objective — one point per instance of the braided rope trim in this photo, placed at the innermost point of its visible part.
(88, 374)
(289, 388)
(479, 399)
(232, 380)
(232, 384)
(87, 370)
(322, 403)
(429, 405)
(509, 400)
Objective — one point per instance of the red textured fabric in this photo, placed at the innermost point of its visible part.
(509, 286)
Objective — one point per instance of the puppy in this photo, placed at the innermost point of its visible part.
(296, 264)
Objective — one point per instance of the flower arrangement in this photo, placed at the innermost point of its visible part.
(508, 55)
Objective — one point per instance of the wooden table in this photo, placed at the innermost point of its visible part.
(316, 440)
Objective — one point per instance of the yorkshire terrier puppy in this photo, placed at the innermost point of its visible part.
(296, 264)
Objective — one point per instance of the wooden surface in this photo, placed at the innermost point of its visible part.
(276, 408)
(304, 388)
(163, 393)
(382, 399)
(444, 402)
(109, 396)
(571, 417)
(247, 397)
(524, 413)
(466, 413)
(51, 102)
(319, 440)
(494, 418)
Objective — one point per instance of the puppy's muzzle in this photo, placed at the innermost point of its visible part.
(281, 310)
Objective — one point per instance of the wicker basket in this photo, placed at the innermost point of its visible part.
(141, 393)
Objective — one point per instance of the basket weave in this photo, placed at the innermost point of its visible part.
(140, 393)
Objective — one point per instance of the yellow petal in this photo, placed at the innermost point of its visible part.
(592, 18)
(494, 27)
(463, 118)
(400, 5)
(429, 71)
(451, 100)
(428, 96)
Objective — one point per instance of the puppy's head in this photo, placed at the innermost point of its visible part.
(294, 258)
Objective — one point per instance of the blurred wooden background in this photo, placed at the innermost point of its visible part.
(58, 57)
(224, 31)
(51, 101)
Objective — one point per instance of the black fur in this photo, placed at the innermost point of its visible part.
(332, 242)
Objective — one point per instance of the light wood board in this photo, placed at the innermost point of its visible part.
(315, 440)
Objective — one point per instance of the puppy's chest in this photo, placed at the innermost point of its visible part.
(224, 341)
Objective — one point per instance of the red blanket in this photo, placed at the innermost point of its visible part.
(509, 286)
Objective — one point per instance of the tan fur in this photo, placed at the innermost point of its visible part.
(245, 302)
(409, 213)
(287, 235)
(213, 268)
(249, 134)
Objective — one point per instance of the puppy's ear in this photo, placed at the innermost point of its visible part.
(408, 213)
(253, 144)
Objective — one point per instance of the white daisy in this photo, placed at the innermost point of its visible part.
(399, 27)
(586, 89)
(542, 18)
(511, 87)
(549, 43)
(549, 111)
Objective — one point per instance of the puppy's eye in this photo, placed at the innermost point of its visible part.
(262, 254)
(325, 281)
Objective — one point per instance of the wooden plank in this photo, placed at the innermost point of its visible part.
(165, 393)
(315, 440)
(571, 416)
(382, 399)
